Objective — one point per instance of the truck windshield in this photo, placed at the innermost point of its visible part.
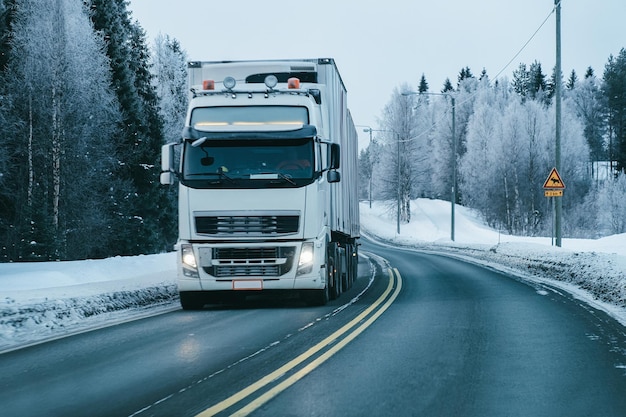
(248, 115)
(250, 163)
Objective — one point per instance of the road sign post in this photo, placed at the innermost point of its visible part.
(553, 187)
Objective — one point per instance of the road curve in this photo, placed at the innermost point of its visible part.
(443, 338)
(173, 364)
(462, 340)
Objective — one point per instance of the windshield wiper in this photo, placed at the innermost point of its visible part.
(286, 178)
(220, 173)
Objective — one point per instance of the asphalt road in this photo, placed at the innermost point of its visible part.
(462, 340)
(431, 336)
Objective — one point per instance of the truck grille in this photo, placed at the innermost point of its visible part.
(264, 225)
(246, 262)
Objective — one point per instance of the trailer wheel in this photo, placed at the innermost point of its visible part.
(191, 300)
(334, 278)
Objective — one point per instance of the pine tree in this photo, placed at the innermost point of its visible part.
(483, 75)
(7, 11)
(521, 81)
(464, 74)
(614, 89)
(447, 86)
(572, 80)
(537, 84)
(144, 222)
(423, 85)
(588, 103)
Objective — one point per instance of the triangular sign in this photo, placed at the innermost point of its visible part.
(554, 180)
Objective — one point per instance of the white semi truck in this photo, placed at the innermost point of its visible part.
(267, 182)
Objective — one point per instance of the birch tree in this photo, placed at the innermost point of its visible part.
(61, 155)
(169, 66)
(398, 161)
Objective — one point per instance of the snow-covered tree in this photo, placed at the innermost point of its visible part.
(59, 128)
(397, 164)
(611, 210)
(479, 179)
(614, 89)
(588, 104)
(169, 66)
(144, 222)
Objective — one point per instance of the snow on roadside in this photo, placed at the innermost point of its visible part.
(594, 270)
(41, 301)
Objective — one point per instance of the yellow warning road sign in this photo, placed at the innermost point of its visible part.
(554, 181)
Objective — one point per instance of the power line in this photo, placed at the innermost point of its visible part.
(527, 42)
(436, 123)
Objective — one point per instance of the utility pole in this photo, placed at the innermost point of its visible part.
(559, 205)
(399, 199)
(453, 196)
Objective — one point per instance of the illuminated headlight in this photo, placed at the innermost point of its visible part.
(189, 264)
(305, 264)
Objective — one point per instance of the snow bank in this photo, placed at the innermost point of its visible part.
(40, 301)
(594, 270)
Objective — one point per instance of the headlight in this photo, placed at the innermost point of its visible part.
(190, 266)
(305, 263)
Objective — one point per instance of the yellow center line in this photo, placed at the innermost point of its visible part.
(273, 376)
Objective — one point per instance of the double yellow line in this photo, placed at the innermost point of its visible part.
(340, 338)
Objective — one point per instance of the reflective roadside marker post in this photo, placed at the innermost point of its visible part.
(553, 187)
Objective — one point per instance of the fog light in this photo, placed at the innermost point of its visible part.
(229, 83)
(271, 81)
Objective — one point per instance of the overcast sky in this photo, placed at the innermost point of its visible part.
(379, 45)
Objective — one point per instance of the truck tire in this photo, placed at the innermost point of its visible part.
(333, 278)
(319, 298)
(191, 300)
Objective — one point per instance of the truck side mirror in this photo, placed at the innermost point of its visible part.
(335, 154)
(333, 176)
(167, 164)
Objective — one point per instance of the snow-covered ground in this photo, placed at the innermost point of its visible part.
(593, 270)
(40, 301)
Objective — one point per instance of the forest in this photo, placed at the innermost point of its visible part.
(494, 142)
(85, 106)
(86, 102)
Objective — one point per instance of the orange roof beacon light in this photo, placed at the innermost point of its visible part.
(293, 83)
(208, 85)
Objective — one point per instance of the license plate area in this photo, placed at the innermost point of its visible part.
(248, 285)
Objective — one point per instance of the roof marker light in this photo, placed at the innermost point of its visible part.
(293, 83)
(208, 85)
(271, 81)
(229, 83)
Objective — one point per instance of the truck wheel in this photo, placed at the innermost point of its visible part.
(191, 301)
(346, 275)
(318, 297)
(334, 279)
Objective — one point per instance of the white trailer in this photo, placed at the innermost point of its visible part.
(267, 177)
